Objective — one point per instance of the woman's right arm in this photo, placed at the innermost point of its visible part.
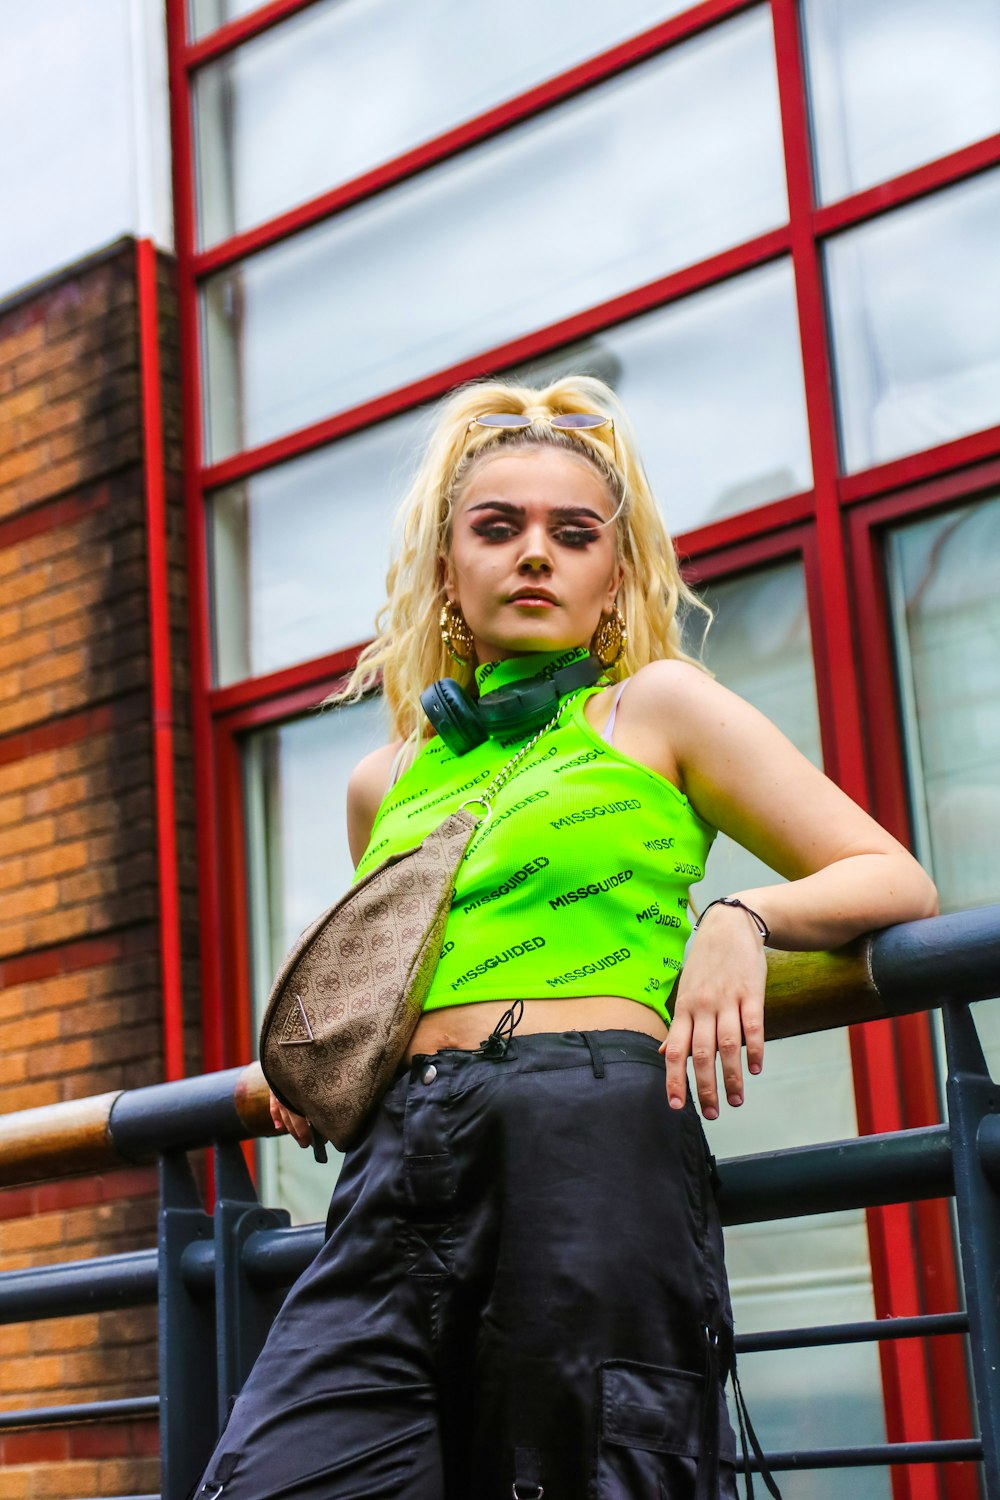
(366, 788)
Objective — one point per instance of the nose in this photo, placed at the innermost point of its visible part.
(535, 556)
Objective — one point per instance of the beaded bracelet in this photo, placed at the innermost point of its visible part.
(758, 920)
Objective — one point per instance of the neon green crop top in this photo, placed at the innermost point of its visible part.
(578, 883)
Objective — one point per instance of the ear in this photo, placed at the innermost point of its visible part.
(614, 587)
(446, 575)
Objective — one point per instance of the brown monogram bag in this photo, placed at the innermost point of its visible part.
(348, 997)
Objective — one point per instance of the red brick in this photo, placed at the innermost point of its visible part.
(13, 345)
(33, 1447)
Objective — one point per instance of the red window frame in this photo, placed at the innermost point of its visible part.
(835, 527)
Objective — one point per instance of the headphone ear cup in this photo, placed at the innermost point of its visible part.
(454, 717)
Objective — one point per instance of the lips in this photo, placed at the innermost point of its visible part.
(532, 595)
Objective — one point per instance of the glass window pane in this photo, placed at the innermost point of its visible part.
(530, 227)
(351, 83)
(915, 308)
(944, 575)
(944, 588)
(295, 786)
(713, 385)
(298, 554)
(896, 84)
(800, 1271)
(207, 15)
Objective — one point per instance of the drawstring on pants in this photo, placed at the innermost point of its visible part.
(746, 1431)
(707, 1482)
(496, 1044)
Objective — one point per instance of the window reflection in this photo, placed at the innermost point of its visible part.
(713, 385)
(812, 1270)
(944, 578)
(295, 787)
(298, 553)
(896, 84)
(944, 588)
(915, 308)
(658, 168)
(351, 83)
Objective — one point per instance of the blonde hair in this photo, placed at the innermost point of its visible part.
(408, 653)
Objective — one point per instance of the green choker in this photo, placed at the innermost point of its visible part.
(500, 674)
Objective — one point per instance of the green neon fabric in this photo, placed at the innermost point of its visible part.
(578, 883)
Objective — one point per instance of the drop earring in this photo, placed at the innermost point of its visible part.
(610, 637)
(455, 633)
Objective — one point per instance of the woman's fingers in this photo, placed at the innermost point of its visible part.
(703, 1048)
(297, 1126)
(730, 1053)
(703, 1034)
(752, 1017)
(676, 1050)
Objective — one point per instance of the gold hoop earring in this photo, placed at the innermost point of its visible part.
(455, 633)
(610, 637)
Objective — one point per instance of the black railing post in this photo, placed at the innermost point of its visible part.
(973, 1100)
(243, 1311)
(187, 1388)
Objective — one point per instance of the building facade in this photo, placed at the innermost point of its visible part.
(771, 227)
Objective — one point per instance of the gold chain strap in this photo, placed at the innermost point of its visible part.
(506, 772)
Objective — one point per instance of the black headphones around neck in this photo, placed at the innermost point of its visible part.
(513, 711)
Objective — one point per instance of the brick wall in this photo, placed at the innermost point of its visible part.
(80, 1003)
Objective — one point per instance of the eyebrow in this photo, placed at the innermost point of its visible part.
(560, 513)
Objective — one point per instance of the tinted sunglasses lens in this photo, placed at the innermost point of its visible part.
(502, 419)
(579, 420)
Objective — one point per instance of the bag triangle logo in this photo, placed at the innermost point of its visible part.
(297, 1029)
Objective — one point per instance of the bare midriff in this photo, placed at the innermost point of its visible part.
(465, 1026)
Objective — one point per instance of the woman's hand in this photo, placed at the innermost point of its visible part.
(719, 1003)
(286, 1120)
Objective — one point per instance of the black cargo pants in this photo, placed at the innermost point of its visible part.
(520, 1293)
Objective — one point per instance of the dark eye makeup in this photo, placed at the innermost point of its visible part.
(501, 530)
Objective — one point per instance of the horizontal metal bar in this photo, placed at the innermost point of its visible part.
(127, 1408)
(918, 965)
(942, 1451)
(79, 1286)
(900, 1166)
(873, 1330)
(271, 1257)
(178, 1116)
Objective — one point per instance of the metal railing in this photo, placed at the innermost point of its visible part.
(219, 1278)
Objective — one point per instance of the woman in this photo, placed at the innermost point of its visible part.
(522, 1292)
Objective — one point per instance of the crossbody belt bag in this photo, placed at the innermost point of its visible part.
(347, 998)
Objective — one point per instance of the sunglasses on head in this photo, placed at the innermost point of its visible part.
(565, 421)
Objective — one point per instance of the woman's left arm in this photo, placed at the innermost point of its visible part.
(845, 874)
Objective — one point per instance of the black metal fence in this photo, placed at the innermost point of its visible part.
(218, 1278)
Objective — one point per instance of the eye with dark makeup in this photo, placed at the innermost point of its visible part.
(501, 530)
(577, 536)
(494, 531)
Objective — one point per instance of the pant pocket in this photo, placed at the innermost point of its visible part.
(650, 1418)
